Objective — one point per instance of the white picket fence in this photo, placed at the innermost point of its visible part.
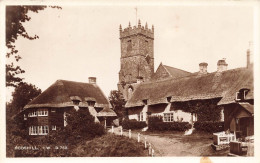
(139, 137)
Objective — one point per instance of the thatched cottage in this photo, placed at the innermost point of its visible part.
(48, 111)
(177, 94)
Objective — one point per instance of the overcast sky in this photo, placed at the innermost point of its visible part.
(82, 41)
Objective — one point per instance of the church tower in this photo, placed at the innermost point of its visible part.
(137, 57)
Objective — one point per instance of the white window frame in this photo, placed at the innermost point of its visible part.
(141, 116)
(38, 130)
(25, 117)
(53, 127)
(168, 117)
(237, 99)
(42, 112)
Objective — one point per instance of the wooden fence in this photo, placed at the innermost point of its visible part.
(139, 137)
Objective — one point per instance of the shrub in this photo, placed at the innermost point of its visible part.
(155, 123)
(133, 124)
(209, 126)
(169, 126)
(110, 146)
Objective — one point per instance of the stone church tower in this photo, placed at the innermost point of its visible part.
(137, 57)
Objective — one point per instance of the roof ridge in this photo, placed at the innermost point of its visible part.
(175, 68)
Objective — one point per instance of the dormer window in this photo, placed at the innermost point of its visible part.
(169, 99)
(145, 101)
(91, 101)
(241, 95)
(75, 100)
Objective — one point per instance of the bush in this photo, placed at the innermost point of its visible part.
(209, 126)
(133, 124)
(169, 126)
(110, 145)
(155, 123)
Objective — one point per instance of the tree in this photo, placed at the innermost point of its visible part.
(81, 126)
(22, 95)
(118, 102)
(15, 16)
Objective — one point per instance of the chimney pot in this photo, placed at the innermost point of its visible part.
(92, 80)
(222, 65)
(203, 68)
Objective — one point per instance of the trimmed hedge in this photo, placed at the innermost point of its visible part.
(133, 124)
(155, 123)
(209, 126)
(169, 126)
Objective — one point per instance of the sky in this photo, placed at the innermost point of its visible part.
(78, 42)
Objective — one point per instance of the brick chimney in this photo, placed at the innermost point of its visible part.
(92, 80)
(203, 68)
(222, 65)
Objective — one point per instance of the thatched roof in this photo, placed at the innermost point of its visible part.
(195, 87)
(106, 112)
(62, 93)
(248, 107)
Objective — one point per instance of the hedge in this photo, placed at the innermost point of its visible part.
(169, 126)
(155, 123)
(209, 126)
(133, 124)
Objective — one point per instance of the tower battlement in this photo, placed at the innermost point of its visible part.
(135, 30)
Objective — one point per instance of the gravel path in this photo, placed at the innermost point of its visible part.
(177, 144)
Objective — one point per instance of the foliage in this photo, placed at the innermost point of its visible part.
(169, 126)
(110, 146)
(154, 119)
(155, 123)
(81, 126)
(22, 95)
(133, 124)
(15, 17)
(117, 101)
(207, 110)
(209, 126)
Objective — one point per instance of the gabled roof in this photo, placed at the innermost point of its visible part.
(175, 72)
(106, 112)
(248, 107)
(62, 92)
(213, 85)
(164, 72)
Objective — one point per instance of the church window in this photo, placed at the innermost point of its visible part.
(129, 45)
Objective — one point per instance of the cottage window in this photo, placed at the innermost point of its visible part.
(33, 130)
(76, 102)
(38, 130)
(45, 130)
(91, 103)
(141, 116)
(53, 127)
(33, 113)
(168, 117)
(25, 117)
(43, 112)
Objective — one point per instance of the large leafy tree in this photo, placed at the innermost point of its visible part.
(22, 95)
(117, 101)
(15, 17)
